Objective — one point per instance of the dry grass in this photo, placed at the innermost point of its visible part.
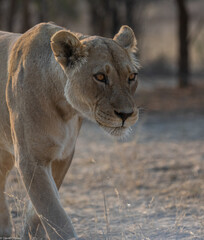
(150, 187)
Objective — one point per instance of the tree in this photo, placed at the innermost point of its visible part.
(11, 14)
(108, 15)
(183, 57)
(100, 16)
(25, 25)
(42, 10)
(1, 15)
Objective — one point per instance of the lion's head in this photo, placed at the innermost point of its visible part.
(102, 77)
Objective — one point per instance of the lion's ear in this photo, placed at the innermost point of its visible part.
(126, 38)
(68, 49)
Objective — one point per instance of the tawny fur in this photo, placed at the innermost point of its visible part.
(47, 86)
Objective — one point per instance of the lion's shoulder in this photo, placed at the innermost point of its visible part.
(42, 32)
(33, 47)
(37, 38)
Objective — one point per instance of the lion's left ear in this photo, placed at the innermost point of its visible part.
(68, 49)
(126, 38)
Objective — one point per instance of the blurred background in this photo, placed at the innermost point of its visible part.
(160, 26)
(151, 185)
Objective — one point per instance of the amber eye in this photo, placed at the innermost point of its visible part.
(132, 77)
(100, 77)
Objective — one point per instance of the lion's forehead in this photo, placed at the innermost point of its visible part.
(104, 51)
(105, 47)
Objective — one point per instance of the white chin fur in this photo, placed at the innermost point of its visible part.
(117, 132)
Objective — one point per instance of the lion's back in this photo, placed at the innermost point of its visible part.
(31, 48)
(6, 42)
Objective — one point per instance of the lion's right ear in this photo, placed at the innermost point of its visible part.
(68, 49)
(126, 38)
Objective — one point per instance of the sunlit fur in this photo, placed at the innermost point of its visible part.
(47, 87)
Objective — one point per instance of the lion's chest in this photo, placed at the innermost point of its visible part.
(66, 140)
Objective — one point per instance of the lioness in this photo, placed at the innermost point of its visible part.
(50, 79)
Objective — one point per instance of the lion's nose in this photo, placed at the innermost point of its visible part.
(123, 115)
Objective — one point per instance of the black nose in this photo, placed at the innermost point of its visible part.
(123, 115)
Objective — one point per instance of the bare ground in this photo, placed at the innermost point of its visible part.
(150, 186)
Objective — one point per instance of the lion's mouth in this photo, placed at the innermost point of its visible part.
(116, 131)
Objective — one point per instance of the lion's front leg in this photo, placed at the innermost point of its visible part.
(44, 196)
(33, 226)
(6, 164)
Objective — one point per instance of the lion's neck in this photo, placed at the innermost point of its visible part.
(59, 79)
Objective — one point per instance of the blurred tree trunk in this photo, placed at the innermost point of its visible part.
(130, 10)
(25, 25)
(183, 58)
(11, 14)
(107, 16)
(42, 4)
(115, 17)
(1, 17)
(100, 16)
(134, 11)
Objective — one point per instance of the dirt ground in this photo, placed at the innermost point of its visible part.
(149, 186)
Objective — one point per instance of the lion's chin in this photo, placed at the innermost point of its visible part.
(117, 132)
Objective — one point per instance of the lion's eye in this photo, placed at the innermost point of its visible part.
(100, 77)
(132, 77)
